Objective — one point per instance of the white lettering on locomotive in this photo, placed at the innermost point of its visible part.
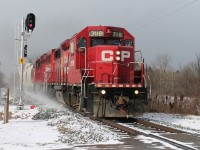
(96, 33)
(72, 63)
(125, 54)
(107, 55)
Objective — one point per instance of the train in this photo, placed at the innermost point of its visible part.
(97, 71)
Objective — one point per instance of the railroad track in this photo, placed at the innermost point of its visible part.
(135, 127)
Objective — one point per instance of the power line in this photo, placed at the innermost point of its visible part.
(158, 14)
(155, 11)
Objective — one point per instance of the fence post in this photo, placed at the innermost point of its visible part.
(7, 107)
(5, 99)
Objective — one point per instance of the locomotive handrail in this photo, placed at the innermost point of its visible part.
(128, 65)
(149, 86)
(140, 62)
(85, 75)
(145, 82)
(87, 69)
(47, 75)
(139, 51)
(117, 62)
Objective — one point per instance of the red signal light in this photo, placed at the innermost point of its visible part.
(30, 25)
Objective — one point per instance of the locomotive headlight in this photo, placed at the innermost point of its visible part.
(103, 92)
(118, 58)
(136, 92)
(117, 52)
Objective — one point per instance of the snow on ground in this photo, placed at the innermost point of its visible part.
(54, 127)
(188, 123)
(51, 126)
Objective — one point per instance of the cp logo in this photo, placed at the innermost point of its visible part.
(107, 55)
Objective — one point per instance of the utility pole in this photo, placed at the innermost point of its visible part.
(27, 26)
(20, 105)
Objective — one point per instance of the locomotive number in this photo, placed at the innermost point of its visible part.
(96, 33)
(107, 55)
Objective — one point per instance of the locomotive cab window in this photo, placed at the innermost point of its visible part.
(113, 42)
(97, 41)
(128, 42)
(37, 64)
(57, 54)
(81, 42)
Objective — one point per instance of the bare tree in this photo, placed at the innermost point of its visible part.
(2, 80)
(162, 62)
(197, 64)
(187, 80)
(197, 70)
(160, 74)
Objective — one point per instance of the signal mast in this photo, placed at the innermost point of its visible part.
(27, 27)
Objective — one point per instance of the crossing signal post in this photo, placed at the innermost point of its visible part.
(27, 27)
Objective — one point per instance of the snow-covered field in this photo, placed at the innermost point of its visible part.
(50, 126)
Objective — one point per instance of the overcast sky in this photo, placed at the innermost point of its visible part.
(160, 26)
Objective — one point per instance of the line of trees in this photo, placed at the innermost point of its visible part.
(175, 91)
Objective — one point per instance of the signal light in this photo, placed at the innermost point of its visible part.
(25, 50)
(30, 22)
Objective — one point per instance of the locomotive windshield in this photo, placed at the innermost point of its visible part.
(97, 41)
(113, 42)
(102, 41)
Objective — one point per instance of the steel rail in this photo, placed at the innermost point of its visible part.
(133, 132)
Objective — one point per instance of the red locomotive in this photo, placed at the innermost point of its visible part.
(95, 71)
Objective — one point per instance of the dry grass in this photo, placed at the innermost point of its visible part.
(1, 115)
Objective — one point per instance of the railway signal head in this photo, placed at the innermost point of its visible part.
(25, 51)
(30, 22)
